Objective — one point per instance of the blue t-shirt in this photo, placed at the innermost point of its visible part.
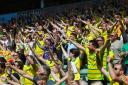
(46, 51)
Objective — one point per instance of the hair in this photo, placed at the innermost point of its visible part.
(94, 43)
(101, 37)
(47, 69)
(20, 64)
(49, 40)
(38, 78)
(117, 13)
(75, 51)
(58, 32)
(30, 37)
(2, 59)
(2, 65)
(74, 34)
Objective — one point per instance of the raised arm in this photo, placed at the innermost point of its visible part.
(12, 76)
(63, 22)
(124, 35)
(60, 25)
(93, 31)
(55, 76)
(62, 80)
(83, 21)
(52, 56)
(70, 74)
(49, 32)
(57, 63)
(64, 52)
(111, 71)
(100, 66)
(112, 28)
(63, 40)
(122, 26)
(46, 28)
(35, 56)
(12, 82)
(21, 72)
(77, 45)
(58, 28)
(8, 81)
(95, 28)
(102, 49)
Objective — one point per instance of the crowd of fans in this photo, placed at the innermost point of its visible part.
(52, 50)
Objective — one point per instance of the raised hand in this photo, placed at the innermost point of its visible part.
(109, 59)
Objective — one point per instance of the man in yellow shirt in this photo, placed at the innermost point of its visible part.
(116, 74)
(94, 74)
(38, 50)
